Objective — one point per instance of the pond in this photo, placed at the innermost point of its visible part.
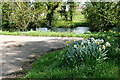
(77, 30)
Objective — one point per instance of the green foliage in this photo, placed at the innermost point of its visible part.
(67, 14)
(87, 51)
(51, 7)
(76, 24)
(101, 15)
(88, 32)
(114, 39)
(79, 18)
(36, 24)
(62, 24)
(68, 24)
(25, 15)
(19, 13)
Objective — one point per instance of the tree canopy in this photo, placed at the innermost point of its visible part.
(102, 15)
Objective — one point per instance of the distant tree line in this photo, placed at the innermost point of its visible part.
(30, 15)
(26, 15)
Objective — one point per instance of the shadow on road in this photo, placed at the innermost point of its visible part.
(14, 53)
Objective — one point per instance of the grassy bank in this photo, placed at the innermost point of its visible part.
(51, 65)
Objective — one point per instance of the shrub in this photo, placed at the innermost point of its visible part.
(84, 24)
(67, 24)
(101, 15)
(62, 24)
(88, 51)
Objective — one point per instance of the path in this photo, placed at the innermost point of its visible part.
(15, 49)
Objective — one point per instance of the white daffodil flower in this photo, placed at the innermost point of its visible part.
(103, 47)
(82, 43)
(75, 46)
(107, 44)
(92, 39)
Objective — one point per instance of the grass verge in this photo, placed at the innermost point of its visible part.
(46, 34)
(60, 34)
(50, 66)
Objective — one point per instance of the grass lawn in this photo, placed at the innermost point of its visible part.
(60, 34)
(47, 34)
(78, 20)
(50, 66)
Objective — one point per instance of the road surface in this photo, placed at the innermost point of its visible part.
(15, 49)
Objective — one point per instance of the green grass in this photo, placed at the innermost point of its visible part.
(47, 34)
(78, 20)
(60, 34)
(77, 17)
(50, 66)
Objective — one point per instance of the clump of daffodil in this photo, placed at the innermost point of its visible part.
(67, 42)
(107, 44)
(79, 51)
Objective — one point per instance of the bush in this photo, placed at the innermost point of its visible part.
(88, 51)
(68, 24)
(61, 24)
(101, 15)
(81, 24)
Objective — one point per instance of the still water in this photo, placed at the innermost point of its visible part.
(77, 30)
